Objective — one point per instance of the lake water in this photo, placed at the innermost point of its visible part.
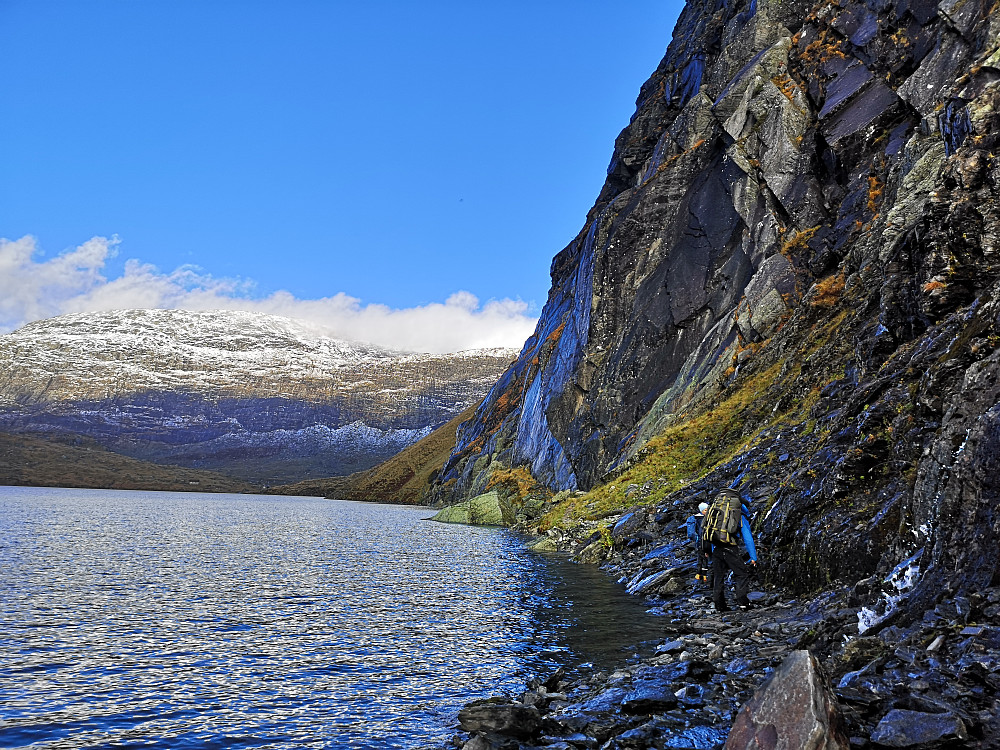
(172, 620)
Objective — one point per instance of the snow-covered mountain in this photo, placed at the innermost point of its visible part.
(257, 396)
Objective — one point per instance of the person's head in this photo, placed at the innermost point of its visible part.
(702, 508)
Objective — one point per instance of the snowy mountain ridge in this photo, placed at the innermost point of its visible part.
(94, 355)
(257, 396)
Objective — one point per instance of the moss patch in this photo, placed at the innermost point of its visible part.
(482, 510)
(778, 393)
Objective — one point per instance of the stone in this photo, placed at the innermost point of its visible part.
(916, 729)
(860, 111)
(670, 647)
(795, 709)
(500, 717)
(592, 553)
(649, 582)
(482, 510)
(924, 89)
(649, 697)
(629, 525)
(765, 298)
(545, 544)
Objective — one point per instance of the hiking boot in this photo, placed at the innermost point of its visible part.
(721, 608)
(745, 607)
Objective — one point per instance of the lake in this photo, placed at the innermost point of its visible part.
(136, 619)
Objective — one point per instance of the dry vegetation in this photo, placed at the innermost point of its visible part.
(71, 461)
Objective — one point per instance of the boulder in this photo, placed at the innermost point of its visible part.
(918, 729)
(629, 525)
(500, 717)
(648, 697)
(482, 510)
(795, 709)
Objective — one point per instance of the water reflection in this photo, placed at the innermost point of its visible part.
(165, 620)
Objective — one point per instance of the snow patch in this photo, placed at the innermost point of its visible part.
(897, 585)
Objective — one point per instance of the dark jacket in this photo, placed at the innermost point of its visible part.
(693, 526)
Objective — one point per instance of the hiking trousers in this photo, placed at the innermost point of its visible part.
(726, 557)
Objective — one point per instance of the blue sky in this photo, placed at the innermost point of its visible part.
(389, 157)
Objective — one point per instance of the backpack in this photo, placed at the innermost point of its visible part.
(723, 522)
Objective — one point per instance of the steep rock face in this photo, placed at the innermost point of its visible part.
(793, 263)
(264, 398)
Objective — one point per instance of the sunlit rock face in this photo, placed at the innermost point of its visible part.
(260, 397)
(807, 196)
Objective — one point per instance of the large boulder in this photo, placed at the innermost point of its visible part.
(795, 709)
(482, 510)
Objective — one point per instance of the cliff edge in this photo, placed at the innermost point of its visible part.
(788, 283)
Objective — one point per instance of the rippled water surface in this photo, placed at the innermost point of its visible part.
(163, 620)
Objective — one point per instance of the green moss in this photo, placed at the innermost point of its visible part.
(716, 432)
(689, 449)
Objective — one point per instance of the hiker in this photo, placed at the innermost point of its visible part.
(726, 521)
(694, 526)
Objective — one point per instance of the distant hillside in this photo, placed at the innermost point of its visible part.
(404, 478)
(37, 462)
(265, 399)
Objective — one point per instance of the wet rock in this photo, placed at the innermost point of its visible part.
(670, 647)
(703, 737)
(500, 717)
(641, 737)
(649, 697)
(796, 709)
(920, 731)
(649, 582)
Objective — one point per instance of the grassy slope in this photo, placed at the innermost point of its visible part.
(38, 462)
(774, 392)
(404, 478)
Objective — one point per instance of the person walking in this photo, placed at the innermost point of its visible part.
(694, 525)
(726, 555)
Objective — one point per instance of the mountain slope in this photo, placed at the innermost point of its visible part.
(789, 282)
(35, 461)
(262, 398)
(405, 478)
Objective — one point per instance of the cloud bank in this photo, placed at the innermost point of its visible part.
(74, 281)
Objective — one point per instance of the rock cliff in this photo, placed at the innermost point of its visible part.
(259, 397)
(788, 283)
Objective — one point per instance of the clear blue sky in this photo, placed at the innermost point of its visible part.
(395, 152)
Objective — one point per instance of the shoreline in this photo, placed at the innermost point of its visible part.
(691, 690)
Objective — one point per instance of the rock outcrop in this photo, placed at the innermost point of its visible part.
(790, 285)
(789, 282)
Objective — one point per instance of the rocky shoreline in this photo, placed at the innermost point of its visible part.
(929, 683)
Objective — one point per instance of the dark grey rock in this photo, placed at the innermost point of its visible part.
(796, 708)
(914, 729)
(649, 697)
(500, 717)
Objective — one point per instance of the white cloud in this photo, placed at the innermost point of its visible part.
(74, 281)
